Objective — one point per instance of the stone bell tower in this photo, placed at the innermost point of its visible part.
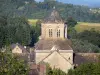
(53, 27)
(53, 47)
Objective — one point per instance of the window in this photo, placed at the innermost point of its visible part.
(69, 58)
(50, 32)
(58, 33)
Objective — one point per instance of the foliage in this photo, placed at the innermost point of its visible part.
(36, 32)
(92, 37)
(13, 30)
(86, 41)
(84, 46)
(86, 69)
(72, 33)
(50, 71)
(71, 22)
(10, 65)
(38, 10)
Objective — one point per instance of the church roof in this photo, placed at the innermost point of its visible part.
(48, 44)
(53, 17)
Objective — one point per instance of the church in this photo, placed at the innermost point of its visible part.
(53, 46)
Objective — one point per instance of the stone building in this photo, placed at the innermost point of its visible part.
(19, 49)
(53, 46)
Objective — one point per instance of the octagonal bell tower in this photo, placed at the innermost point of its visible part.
(53, 27)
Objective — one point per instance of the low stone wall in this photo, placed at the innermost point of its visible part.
(90, 56)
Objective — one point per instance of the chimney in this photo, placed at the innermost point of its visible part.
(42, 69)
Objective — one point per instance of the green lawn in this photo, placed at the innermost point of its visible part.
(32, 21)
(81, 26)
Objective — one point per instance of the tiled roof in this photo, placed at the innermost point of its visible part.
(24, 50)
(48, 44)
(53, 17)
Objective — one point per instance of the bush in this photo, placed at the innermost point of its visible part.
(86, 69)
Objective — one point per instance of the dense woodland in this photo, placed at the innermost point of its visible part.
(15, 28)
(32, 9)
(38, 10)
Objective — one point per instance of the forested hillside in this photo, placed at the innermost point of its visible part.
(14, 28)
(35, 10)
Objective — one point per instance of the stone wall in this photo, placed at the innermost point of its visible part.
(92, 56)
(62, 59)
(40, 55)
(45, 30)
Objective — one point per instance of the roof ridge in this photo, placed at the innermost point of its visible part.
(46, 56)
(59, 54)
(65, 59)
(53, 17)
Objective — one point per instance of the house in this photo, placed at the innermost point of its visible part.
(18, 49)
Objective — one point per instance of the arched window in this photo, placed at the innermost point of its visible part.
(58, 33)
(50, 32)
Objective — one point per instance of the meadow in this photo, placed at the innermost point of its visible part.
(81, 26)
(32, 21)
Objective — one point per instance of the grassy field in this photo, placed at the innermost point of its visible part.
(32, 21)
(81, 26)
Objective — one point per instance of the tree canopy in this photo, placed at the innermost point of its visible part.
(86, 69)
(11, 65)
(50, 71)
(38, 10)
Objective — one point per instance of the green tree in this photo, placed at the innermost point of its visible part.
(71, 22)
(86, 69)
(17, 30)
(84, 46)
(92, 37)
(54, 71)
(36, 32)
(13, 29)
(10, 65)
(72, 33)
